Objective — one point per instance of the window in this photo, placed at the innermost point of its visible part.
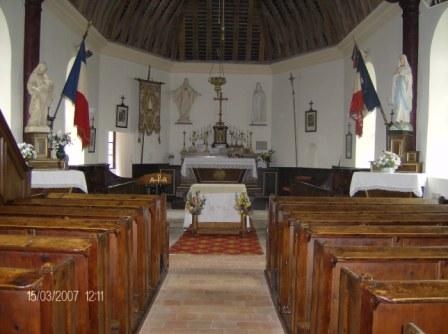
(112, 149)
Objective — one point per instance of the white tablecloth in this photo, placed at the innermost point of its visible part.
(219, 203)
(219, 162)
(405, 182)
(58, 178)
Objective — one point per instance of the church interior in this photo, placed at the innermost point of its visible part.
(223, 166)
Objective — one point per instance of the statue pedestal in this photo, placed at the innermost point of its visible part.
(39, 139)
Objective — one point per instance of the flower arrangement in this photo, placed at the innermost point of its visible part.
(387, 160)
(195, 203)
(27, 150)
(59, 139)
(242, 203)
(266, 156)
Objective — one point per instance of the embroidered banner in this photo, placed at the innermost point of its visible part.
(149, 113)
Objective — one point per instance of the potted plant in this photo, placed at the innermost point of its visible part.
(266, 157)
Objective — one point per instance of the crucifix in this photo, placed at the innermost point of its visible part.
(219, 129)
(220, 99)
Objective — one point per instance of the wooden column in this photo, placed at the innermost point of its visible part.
(31, 47)
(410, 49)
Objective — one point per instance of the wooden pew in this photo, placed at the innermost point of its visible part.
(280, 273)
(119, 247)
(37, 250)
(382, 262)
(153, 229)
(278, 215)
(295, 289)
(369, 306)
(159, 227)
(34, 301)
(139, 245)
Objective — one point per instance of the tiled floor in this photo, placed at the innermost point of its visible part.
(213, 293)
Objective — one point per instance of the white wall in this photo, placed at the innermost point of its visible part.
(117, 78)
(322, 85)
(204, 112)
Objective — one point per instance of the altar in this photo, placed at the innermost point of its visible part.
(58, 178)
(219, 213)
(406, 183)
(219, 169)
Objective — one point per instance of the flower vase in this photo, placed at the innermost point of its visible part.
(194, 222)
(389, 170)
(243, 228)
(60, 153)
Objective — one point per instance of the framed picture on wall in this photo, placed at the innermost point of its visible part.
(121, 120)
(91, 148)
(311, 120)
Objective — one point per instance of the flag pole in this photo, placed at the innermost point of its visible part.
(50, 119)
(291, 78)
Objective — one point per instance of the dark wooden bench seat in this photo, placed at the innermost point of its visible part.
(295, 279)
(41, 300)
(37, 250)
(374, 306)
(139, 258)
(119, 237)
(422, 263)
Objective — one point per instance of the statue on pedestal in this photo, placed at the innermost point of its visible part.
(402, 95)
(184, 97)
(40, 87)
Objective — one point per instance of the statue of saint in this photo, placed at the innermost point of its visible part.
(184, 97)
(258, 115)
(402, 94)
(40, 87)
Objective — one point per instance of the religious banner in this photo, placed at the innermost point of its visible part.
(149, 113)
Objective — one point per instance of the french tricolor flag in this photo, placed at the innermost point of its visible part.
(75, 89)
(364, 93)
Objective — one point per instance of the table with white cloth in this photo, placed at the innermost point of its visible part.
(58, 178)
(397, 182)
(217, 169)
(219, 213)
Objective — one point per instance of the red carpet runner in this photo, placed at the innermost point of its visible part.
(217, 244)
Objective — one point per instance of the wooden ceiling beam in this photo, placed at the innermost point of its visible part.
(308, 25)
(208, 31)
(126, 21)
(278, 24)
(170, 25)
(155, 24)
(195, 29)
(332, 23)
(290, 26)
(236, 30)
(250, 22)
(298, 25)
(272, 31)
(318, 31)
(181, 39)
(101, 14)
(141, 27)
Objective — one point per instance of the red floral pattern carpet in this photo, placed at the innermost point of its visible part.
(217, 244)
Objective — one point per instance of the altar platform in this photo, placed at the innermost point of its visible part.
(219, 214)
(218, 169)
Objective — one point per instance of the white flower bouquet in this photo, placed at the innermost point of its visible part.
(195, 203)
(387, 160)
(27, 150)
(242, 203)
(59, 139)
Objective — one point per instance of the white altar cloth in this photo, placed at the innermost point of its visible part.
(211, 161)
(58, 178)
(405, 182)
(219, 203)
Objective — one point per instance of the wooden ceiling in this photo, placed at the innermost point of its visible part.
(256, 31)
